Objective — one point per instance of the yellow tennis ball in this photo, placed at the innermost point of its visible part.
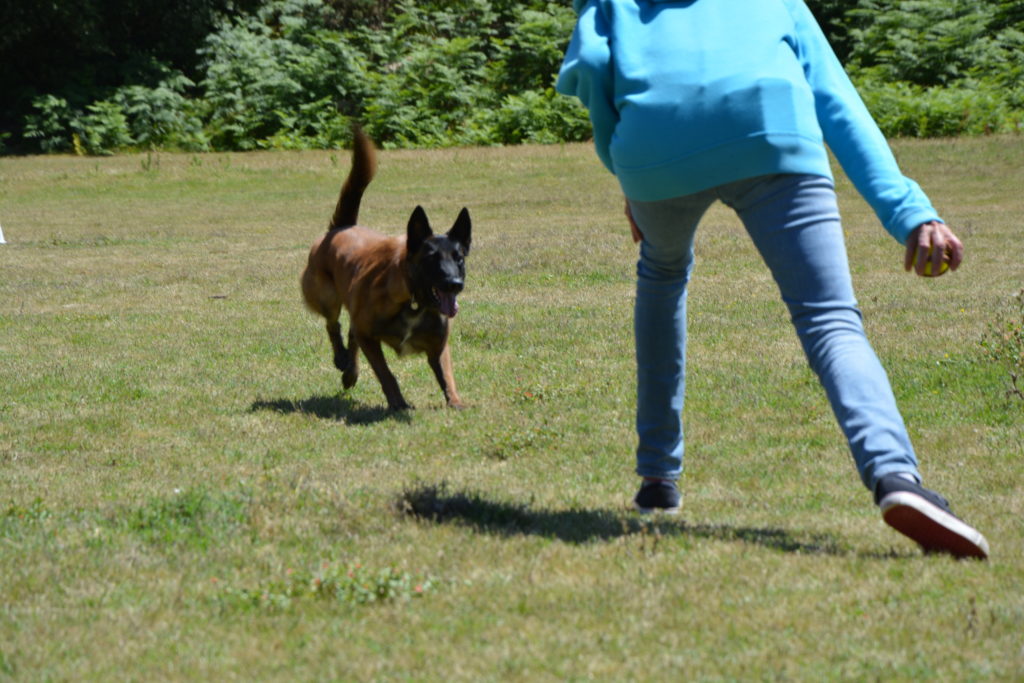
(928, 264)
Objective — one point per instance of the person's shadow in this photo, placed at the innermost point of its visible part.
(338, 408)
(436, 504)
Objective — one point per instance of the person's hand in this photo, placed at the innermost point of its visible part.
(637, 235)
(937, 238)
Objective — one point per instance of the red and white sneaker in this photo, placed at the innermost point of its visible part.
(924, 517)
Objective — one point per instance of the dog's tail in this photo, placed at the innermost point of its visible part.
(364, 167)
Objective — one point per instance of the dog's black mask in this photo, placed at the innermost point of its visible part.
(437, 263)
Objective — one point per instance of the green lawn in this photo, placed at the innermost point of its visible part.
(187, 494)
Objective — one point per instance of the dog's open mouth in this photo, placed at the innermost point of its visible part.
(446, 302)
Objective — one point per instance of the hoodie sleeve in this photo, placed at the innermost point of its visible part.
(854, 137)
(587, 74)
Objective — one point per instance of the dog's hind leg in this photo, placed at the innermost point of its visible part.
(375, 357)
(345, 359)
(350, 373)
(338, 346)
(318, 292)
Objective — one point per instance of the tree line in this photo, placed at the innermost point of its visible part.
(100, 76)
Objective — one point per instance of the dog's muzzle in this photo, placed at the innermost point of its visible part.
(446, 297)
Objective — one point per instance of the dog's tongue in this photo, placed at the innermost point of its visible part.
(447, 303)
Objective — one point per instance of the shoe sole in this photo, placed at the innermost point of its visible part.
(931, 527)
(666, 511)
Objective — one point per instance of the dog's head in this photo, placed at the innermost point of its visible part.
(437, 263)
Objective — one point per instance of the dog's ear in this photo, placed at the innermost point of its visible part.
(418, 231)
(461, 231)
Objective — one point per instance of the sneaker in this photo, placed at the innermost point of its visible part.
(657, 495)
(924, 517)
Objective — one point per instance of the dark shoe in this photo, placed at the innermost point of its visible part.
(924, 517)
(659, 495)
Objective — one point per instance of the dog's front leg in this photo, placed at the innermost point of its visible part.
(375, 357)
(441, 364)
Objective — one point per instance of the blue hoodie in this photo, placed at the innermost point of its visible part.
(684, 96)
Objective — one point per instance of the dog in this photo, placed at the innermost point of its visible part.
(399, 291)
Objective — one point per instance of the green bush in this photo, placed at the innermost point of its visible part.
(933, 42)
(250, 75)
(426, 99)
(133, 117)
(908, 110)
(50, 125)
(940, 67)
(535, 117)
(431, 74)
(292, 74)
(163, 116)
(103, 130)
(316, 125)
(530, 56)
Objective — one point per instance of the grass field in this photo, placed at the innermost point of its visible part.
(187, 494)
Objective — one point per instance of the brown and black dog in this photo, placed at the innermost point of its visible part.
(397, 290)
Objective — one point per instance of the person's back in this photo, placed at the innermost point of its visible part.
(706, 95)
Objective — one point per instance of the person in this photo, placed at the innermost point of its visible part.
(699, 101)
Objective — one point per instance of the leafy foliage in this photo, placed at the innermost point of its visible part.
(933, 42)
(81, 51)
(909, 110)
(940, 67)
(291, 74)
(417, 74)
(833, 19)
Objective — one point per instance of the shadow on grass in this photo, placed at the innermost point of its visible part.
(339, 408)
(436, 504)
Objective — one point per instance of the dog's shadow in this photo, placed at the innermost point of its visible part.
(339, 408)
(436, 504)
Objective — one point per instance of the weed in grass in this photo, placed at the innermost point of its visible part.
(1004, 344)
(194, 516)
(515, 440)
(33, 512)
(23, 521)
(337, 584)
(151, 163)
(6, 665)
